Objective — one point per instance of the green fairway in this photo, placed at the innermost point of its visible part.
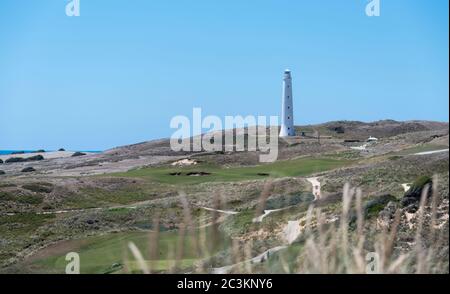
(287, 168)
(109, 253)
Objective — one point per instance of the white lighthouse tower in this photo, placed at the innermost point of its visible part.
(287, 114)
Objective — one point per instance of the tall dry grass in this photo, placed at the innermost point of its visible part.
(350, 245)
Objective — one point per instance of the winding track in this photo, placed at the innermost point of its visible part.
(266, 213)
(431, 152)
(315, 187)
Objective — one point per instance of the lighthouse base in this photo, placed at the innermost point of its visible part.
(286, 131)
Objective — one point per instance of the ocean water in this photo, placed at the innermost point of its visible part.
(6, 152)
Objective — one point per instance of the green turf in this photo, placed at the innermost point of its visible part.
(287, 168)
(99, 254)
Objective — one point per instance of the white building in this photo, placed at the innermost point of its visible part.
(287, 113)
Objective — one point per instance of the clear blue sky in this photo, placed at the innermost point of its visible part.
(118, 73)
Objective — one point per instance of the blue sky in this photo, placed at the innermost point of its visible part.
(118, 73)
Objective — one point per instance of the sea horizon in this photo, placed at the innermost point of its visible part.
(8, 152)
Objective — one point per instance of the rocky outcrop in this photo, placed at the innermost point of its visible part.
(39, 187)
(35, 158)
(28, 169)
(39, 151)
(374, 206)
(386, 216)
(76, 154)
(14, 160)
(412, 196)
(20, 159)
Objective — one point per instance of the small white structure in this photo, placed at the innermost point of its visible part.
(372, 139)
(287, 113)
(360, 148)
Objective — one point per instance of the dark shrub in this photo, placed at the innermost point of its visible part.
(39, 151)
(35, 158)
(78, 154)
(61, 149)
(30, 199)
(198, 173)
(338, 129)
(263, 174)
(394, 157)
(375, 205)
(2, 172)
(15, 159)
(20, 159)
(1, 161)
(5, 196)
(39, 187)
(47, 206)
(28, 169)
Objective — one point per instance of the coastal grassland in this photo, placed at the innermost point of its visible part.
(106, 254)
(17, 232)
(211, 173)
(385, 174)
(419, 148)
(22, 223)
(286, 207)
(96, 197)
(346, 154)
(106, 191)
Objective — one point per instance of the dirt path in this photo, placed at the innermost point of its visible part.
(292, 231)
(431, 152)
(266, 213)
(130, 206)
(221, 211)
(257, 259)
(315, 187)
